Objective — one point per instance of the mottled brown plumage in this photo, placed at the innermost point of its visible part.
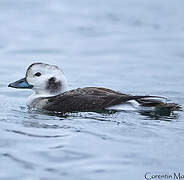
(98, 99)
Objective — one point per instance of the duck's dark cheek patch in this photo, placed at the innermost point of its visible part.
(53, 86)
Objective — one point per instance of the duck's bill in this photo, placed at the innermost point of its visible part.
(22, 84)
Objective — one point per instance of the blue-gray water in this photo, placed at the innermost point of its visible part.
(130, 46)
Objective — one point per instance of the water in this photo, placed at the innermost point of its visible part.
(130, 46)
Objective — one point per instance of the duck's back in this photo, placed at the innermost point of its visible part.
(96, 99)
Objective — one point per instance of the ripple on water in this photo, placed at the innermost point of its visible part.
(37, 51)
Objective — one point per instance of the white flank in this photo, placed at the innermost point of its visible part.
(131, 105)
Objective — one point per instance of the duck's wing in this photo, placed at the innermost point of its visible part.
(87, 99)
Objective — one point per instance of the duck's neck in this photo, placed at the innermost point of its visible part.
(40, 94)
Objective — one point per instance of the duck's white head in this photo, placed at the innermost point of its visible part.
(43, 79)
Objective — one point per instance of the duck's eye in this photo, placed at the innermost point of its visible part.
(38, 74)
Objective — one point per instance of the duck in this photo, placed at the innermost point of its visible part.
(50, 93)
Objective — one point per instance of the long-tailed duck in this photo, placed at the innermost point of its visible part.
(49, 85)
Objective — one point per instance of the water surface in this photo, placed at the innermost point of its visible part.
(134, 47)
